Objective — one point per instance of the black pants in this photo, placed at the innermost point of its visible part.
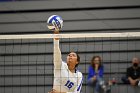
(125, 80)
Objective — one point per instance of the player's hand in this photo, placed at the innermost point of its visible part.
(54, 91)
(96, 68)
(110, 83)
(56, 32)
(133, 82)
(94, 78)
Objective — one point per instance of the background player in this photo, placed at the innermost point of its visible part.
(133, 73)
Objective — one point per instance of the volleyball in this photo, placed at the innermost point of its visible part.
(54, 22)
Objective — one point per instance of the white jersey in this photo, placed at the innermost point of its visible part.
(64, 79)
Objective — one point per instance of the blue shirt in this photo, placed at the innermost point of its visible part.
(91, 72)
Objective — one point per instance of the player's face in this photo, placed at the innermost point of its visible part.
(72, 60)
(135, 60)
(96, 60)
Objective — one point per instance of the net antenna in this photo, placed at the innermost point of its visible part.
(82, 35)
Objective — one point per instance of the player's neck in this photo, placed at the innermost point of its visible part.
(72, 70)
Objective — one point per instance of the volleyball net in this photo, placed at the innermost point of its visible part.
(27, 60)
(81, 35)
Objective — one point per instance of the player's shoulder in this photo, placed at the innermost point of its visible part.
(64, 65)
(79, 73)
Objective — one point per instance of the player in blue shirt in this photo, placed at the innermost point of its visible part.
(95, 75)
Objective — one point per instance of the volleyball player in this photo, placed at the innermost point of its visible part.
(67, 79)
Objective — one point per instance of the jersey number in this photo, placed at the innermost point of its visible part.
(69, 84)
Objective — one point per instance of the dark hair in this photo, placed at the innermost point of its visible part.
(78, 59)
(92, 61)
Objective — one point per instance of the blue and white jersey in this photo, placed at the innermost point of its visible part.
(64, 79)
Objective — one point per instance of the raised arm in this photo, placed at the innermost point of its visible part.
(57, 53)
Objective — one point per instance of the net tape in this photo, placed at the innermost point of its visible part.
(77, 35)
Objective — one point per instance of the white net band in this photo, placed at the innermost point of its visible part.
(82, 35)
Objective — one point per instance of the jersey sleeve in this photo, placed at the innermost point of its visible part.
(57, 55)
(79, 85)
